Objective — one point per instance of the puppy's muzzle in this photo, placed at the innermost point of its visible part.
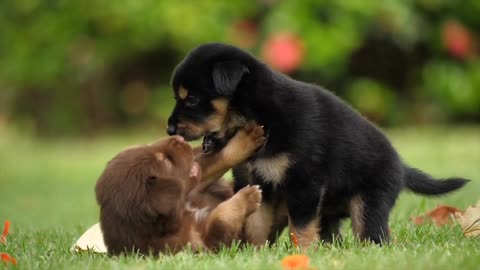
(171, 129)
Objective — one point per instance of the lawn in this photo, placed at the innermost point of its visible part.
(47, 192)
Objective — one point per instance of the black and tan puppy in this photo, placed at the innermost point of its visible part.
(146, 195)
(322, 161)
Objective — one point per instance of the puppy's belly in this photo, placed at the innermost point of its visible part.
(336, 207)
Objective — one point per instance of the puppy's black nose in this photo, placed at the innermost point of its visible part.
(171, 130)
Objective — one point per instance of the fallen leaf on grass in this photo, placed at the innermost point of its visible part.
(470, 220)
(441, 215)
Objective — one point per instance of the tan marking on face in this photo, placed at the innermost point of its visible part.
(182, 92)
(192, 129)
(225, 117)
(307, 235)
(357, 207)
(258, 225)
(215, 123)
(220, 105)
(272, 169)
(218, 120)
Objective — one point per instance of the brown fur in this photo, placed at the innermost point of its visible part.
(357, 215)
(306, 235)
(144, 190)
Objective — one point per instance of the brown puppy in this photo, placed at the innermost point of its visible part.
(143, 194)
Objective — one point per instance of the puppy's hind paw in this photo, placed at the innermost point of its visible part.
(252, 197)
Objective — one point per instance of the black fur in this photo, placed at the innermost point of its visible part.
(335, 152)
(422, 183)
(227, 75)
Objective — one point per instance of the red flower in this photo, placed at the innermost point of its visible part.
(284, 51)
(457, 39)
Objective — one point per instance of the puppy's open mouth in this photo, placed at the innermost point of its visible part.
(213, 142)
(195, 171)
(190, 138)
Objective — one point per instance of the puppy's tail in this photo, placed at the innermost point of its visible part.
(422, 183)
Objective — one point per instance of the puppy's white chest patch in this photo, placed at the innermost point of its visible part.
(198, 213)
(271, 169)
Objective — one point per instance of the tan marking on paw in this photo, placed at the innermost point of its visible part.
(307, 235)
(357, 215)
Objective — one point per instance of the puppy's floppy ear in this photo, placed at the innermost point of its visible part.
(165, 195)
(227, 75)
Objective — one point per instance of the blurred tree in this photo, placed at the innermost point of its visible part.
(78, 66)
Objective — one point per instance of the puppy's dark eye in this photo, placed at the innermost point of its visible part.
(151, 179)
(191, 101)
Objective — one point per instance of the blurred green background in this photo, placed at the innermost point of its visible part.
(81, 80)
(81, 67)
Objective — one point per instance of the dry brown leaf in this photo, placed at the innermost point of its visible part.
(441, 215)
(470, 220)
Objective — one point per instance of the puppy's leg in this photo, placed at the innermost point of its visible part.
(258, 227)
(305, 231)
(220, 190)
(369, 214)
(370, 209)
(303, 210)
(330, 228)
(225, 223)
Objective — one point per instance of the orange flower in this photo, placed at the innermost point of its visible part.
(296, 262)
(8, 259)
(294, 240)
(3, 237)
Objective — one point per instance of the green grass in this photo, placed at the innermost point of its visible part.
(46, 190)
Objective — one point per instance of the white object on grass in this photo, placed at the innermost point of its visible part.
(92, 240)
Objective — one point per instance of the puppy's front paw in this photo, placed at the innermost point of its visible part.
(255, 135)
(251, 197)
(244, 144)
